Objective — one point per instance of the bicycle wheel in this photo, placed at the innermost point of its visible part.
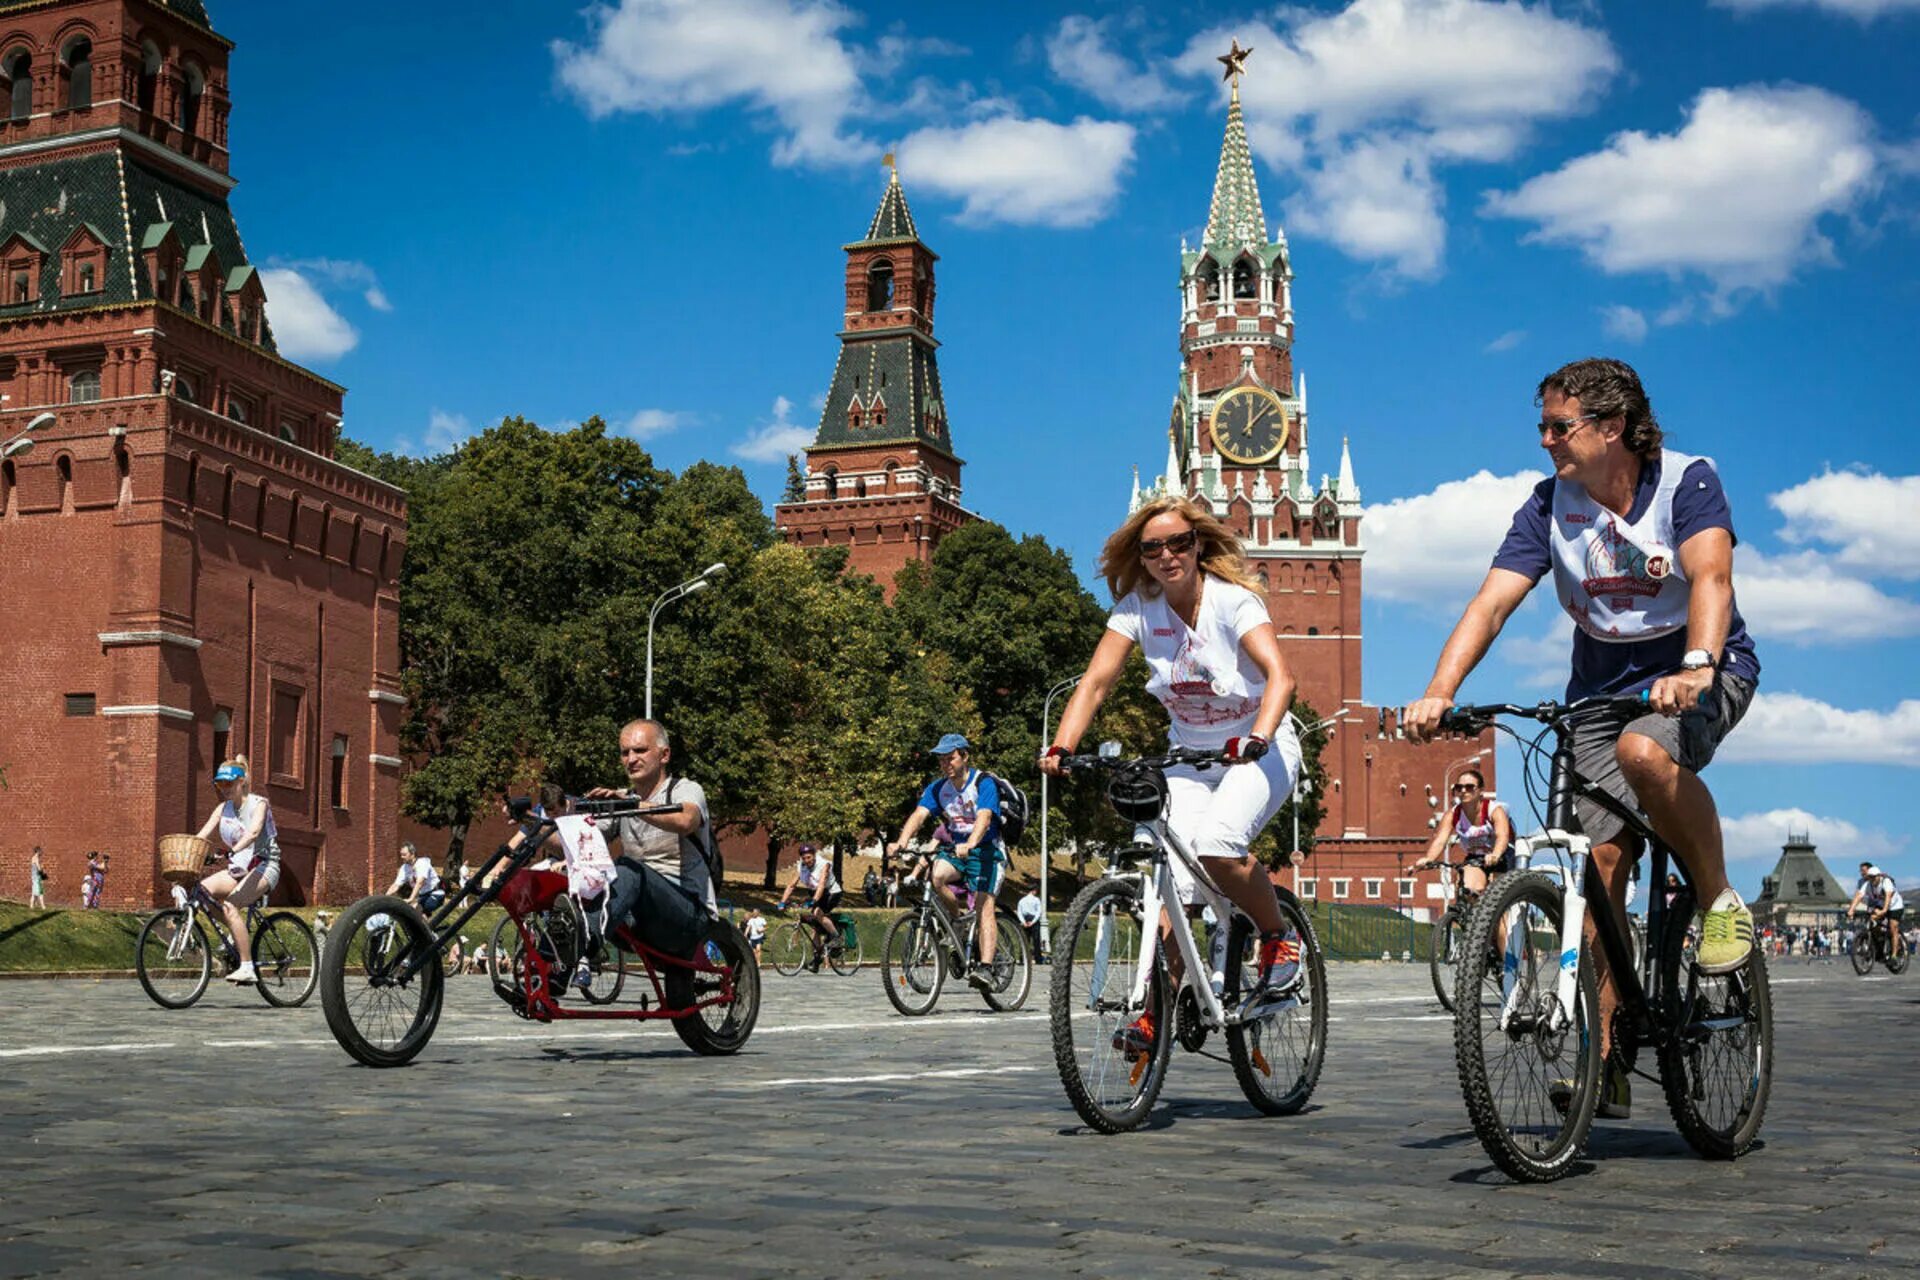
(1862, 951)
(1012, 968)
(1717, 1065)
(172, 959)
(720, 1027)
(1899, 963)
(1443, 959)
(609, 969)
(1277, 1056)
(1529, 1070)
(1090, 1000)
(790, 948)
(503, 957)
(846, 961)
(910, 967)
(284, 960)
(379, 1017)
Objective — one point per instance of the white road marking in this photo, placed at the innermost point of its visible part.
(954, 1073)
(51, 1050)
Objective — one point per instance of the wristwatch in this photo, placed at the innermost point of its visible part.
(1696, 660)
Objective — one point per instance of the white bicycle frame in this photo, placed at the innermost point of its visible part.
(1570, 856)
(1161, 890)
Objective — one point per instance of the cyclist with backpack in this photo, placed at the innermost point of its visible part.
(1481, 825)
(969, 803)
(664, 877)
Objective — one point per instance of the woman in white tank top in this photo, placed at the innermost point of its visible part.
(244, 824)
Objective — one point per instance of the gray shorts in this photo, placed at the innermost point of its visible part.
(1690, 738)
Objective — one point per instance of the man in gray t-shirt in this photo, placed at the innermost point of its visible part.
(659, 853)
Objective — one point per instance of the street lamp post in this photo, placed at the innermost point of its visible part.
(1046, 708)
(23, 442)
(667, 597)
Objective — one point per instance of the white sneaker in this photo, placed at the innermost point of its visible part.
(244, 976)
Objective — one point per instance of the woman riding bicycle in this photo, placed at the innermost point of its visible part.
(1481, 825)
(244, 823)
(1186, 598)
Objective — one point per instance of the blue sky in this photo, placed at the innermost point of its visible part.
(635, 209)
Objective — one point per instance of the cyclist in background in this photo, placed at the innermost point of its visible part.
(416, 880)
(815, 874)
(1640, 541)
(1483, 828)
(1883, 902)
(244, 824)
(1185, 596)
(968, 801)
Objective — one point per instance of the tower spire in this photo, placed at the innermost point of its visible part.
(892, 220)
(1235, 218)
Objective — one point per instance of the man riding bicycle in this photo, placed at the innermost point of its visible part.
(1640, 542)
(815, 874)
(1883, 902)
(969, 804)
(662, 886)
(1481, 826)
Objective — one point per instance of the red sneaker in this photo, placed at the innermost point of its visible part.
(1279, 960)
(1135, 1039)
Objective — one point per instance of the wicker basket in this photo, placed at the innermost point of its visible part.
(183, 859)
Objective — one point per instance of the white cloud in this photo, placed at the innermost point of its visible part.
(1790, 728)
(1803, 598)
(1623, 322)
(1868, 516)
(1364, 102)
(774, 439)
(653, 422)
(1757, 837)
(346, 273)
(1433, 549)
(447, 431)
(784, 57)
(1506, 341)
(1079, 53)
(1736, 195)
(305, 325)
(1009, 169)
(1864, 10)
(1376, 200)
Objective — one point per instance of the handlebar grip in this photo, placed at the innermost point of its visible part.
(1459, 720)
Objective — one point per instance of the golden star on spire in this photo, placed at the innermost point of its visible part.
(1236, 62)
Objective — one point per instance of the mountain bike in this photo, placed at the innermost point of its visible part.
(175, 962)
(792, 945)
(1526, 1000)
(1446, 943)
(382, 983)
(1873, 940)
(1110, 967)
(927, 945)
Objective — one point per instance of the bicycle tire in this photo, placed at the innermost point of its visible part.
(701, 1030)
(1899, 963)
(1863, 949)
(610, 978)
(1443, 954)
(503, 957)
(1259, 1049)
(790, 948)
(1103, 921)
(1717, 1105)
(1012, 970)
(285, 960)
(355, 992)
(846, 961)
(1540, 1142)
(172, 981)
(910, 966)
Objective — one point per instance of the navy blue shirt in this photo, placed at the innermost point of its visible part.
(1621, 668)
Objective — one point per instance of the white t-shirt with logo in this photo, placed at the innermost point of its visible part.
(1201, 674)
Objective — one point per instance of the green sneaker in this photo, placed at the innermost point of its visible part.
(1726, 935)
(1616, 1095)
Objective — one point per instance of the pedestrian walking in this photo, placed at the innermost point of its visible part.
(756, 931)
(1028, 911)
(96, 876)
(38, 873)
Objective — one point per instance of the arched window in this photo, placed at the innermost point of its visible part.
(860, 486)
(123, 471)
(79, 58)
(183, 388)
(196, 86)
(893, 478)
(6, 487)
(880, 286)
(83, 386)
(1243, 284)
(65, 468)
(833, 481)
(149, 87)
(193, 480)
(18, 68)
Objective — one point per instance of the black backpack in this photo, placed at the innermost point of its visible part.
(1014, 810)
(703, 841)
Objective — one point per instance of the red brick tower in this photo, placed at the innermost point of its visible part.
(882, 477)
(1239, 442)
(188, 572)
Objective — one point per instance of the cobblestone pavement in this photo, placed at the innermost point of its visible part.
(848, 1141)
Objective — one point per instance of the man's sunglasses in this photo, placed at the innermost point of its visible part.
(1559, 429)
(1179, 544)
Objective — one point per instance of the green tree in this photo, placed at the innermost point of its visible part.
(1274, 846)
(796, 489)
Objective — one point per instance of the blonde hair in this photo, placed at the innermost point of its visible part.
(1220, 552)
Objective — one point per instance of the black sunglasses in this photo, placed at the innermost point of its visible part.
(1465, 786)
(1560, 428)
(1179, 544)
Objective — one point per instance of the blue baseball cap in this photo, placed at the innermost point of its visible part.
(952, 742)
(229, 773)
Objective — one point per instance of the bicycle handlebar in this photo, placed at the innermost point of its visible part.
(1194, 756)
(1472, 717)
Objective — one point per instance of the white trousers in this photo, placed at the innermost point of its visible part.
(1218, 812)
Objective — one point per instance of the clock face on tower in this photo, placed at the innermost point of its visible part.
(1249, 426)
